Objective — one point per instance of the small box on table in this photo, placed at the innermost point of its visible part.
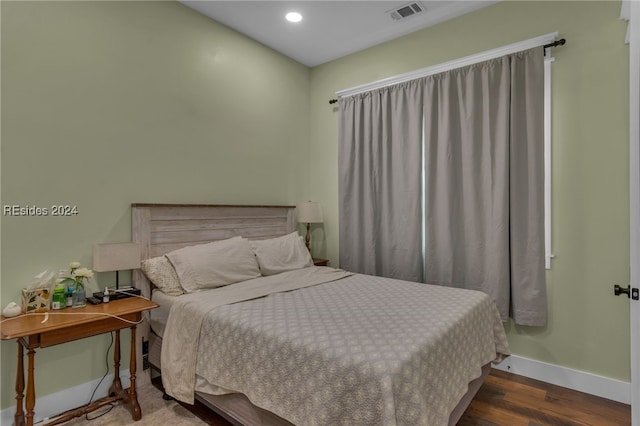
(36, 300)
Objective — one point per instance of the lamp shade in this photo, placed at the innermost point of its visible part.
(116, 257)
(309, 212)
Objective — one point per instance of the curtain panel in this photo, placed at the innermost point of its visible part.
(484, 186)
(380, 169)
(482, 154)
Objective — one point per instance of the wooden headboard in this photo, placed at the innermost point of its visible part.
(161, 228)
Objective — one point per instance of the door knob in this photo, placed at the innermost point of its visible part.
(631, 292)
(617, 290)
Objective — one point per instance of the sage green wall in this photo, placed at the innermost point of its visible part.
(105, 104)
(588, 328)
(109, 103)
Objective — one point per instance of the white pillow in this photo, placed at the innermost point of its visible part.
(162, 274)
(281, 254)
(214, 264)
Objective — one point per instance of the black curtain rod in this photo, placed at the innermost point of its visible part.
(560, 42)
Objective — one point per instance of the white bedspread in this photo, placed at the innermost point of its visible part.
(361, 350)
(182, 330)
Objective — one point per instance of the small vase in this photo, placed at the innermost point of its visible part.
(79, 297)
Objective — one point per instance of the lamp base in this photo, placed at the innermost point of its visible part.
(121, 293)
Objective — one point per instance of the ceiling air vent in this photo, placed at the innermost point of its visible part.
(406, 11)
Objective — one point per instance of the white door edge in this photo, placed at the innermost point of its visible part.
(634, 201)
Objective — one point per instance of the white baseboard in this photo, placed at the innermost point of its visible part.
(604, 387)
(67, 399)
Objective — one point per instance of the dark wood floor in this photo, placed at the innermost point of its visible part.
(506, 399)
(511, 400)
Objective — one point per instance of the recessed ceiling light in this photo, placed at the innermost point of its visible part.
(293, 17)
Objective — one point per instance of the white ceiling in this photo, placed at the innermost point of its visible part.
(329, 29)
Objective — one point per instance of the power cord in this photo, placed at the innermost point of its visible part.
(106, 361)
(111, 405)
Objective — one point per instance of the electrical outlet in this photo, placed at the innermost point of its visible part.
(145, 355)
(145, 362)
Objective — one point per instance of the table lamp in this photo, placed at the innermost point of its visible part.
(308, 212)
(117, 257)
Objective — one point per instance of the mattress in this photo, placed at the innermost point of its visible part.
(358, 350)
(159, 316)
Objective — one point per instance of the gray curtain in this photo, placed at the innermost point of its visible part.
(380, 169)
(484, 182)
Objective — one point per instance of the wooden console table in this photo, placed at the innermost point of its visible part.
(31, 333)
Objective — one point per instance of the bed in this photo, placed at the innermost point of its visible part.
(311, 345)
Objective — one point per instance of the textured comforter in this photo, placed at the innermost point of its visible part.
(361, 350)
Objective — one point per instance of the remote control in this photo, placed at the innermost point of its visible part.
(94, 300)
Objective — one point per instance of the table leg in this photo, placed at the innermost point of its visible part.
(31, 388)
(18, 418)
(136, 412)
(116, 386)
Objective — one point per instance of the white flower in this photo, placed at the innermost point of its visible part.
(78, 276)
(83, 273)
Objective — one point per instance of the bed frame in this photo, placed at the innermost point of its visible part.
(161, 228)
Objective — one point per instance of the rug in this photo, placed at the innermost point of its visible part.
(155, 411)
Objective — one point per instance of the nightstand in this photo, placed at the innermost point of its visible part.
(321, 262)
(31, 333)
